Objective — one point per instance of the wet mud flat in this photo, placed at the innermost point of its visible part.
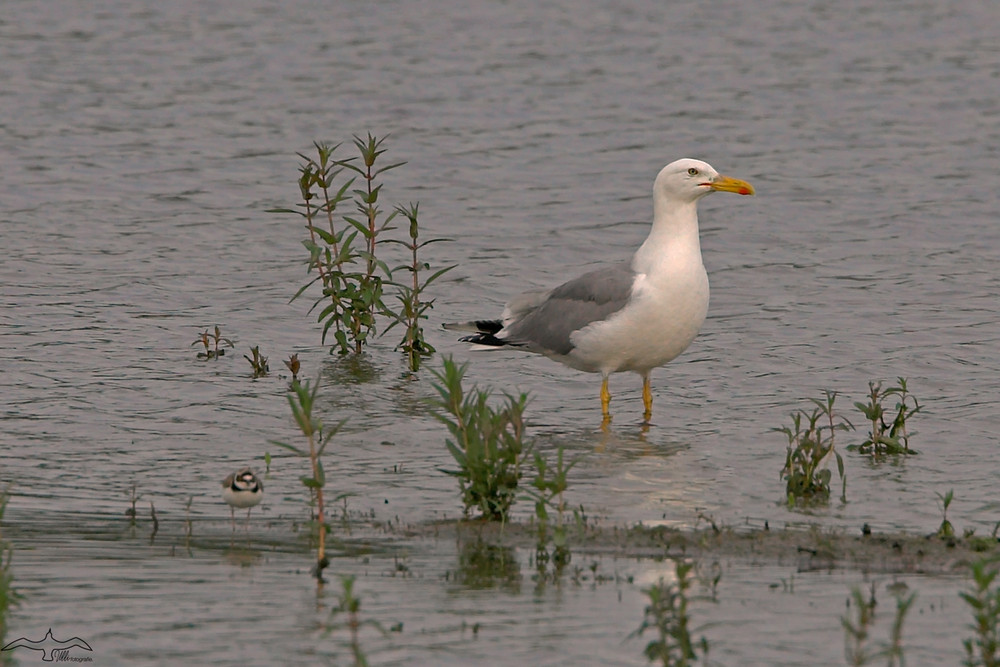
(466, 591)
(809, 547)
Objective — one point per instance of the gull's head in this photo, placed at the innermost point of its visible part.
(689, 180)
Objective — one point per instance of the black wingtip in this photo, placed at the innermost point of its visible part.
(489, 326)
(477, 326)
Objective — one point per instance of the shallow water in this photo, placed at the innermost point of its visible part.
(143, 147)
(224, 598)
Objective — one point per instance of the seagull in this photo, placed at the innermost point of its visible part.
(632, 316)
(242, 489)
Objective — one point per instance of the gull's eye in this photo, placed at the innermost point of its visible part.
(692, 171)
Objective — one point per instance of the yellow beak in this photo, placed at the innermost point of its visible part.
(727, 184)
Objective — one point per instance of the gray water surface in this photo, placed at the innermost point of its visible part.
(143, 145)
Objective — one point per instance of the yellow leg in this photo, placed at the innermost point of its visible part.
(605, 402)
(647, 399)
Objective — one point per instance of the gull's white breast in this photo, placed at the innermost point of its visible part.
(665, 313)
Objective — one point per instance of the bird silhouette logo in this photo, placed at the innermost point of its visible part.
(48, 645)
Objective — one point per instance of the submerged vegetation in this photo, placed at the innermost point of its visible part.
(258, 363)
(810, 446)
(292, 364)
(886, 439)
(945, 530)
(211, 343)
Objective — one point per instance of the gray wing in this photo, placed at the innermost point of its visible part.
(547, 326)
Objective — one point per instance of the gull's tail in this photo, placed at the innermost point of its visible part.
(483, 332)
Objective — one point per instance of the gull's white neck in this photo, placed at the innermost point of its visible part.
(673, 240)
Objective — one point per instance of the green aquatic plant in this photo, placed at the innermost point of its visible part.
(345, 246)
(413, 307)
(346, 267)
(983, 598)
(211, 342)
(331, 251)
(667, 614)
(487, 442)
(810, 446)
(945, 530)
(302, 400)
(258, 363)
(365, 289)
(890, 438)
(292, 363)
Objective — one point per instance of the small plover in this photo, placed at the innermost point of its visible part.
(242, 489)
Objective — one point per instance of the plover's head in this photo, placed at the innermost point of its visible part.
(244, 480)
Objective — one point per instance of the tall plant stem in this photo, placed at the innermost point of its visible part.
(320, 511)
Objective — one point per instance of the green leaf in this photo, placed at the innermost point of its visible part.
(297, 414)
(328, 237)
(437, 274)
(434, 240)
(864, 407)
(341, 193)
(301, 290)
(320, 475)
(329, 436)
(326, 328)
(290, 448)
(382, 170)
(369, 197)
(327, 312)
(360, 226)
(457, 453)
